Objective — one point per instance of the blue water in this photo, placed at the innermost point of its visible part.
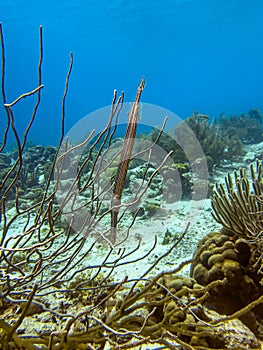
(205, 54)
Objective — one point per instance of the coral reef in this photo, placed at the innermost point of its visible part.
(175, 304)
(238, 207)
(217, 144)
(247, 126)
(222, 256)
(65, 276)
(235, 253)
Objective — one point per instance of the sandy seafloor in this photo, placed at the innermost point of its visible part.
(173, 218)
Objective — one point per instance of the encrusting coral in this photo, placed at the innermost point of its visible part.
(236, 252)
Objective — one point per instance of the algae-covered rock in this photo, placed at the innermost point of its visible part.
(220, 256)
(5, 161)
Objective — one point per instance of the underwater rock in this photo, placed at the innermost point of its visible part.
(152, 207)
(220, 256)
(37, 161)
(227, 335)
(179, 310)
(168, 238)
(5, 161)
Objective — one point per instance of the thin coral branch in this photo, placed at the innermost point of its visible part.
(32, 92)
(8, 121)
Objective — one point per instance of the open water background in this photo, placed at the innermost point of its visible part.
(204, 54)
